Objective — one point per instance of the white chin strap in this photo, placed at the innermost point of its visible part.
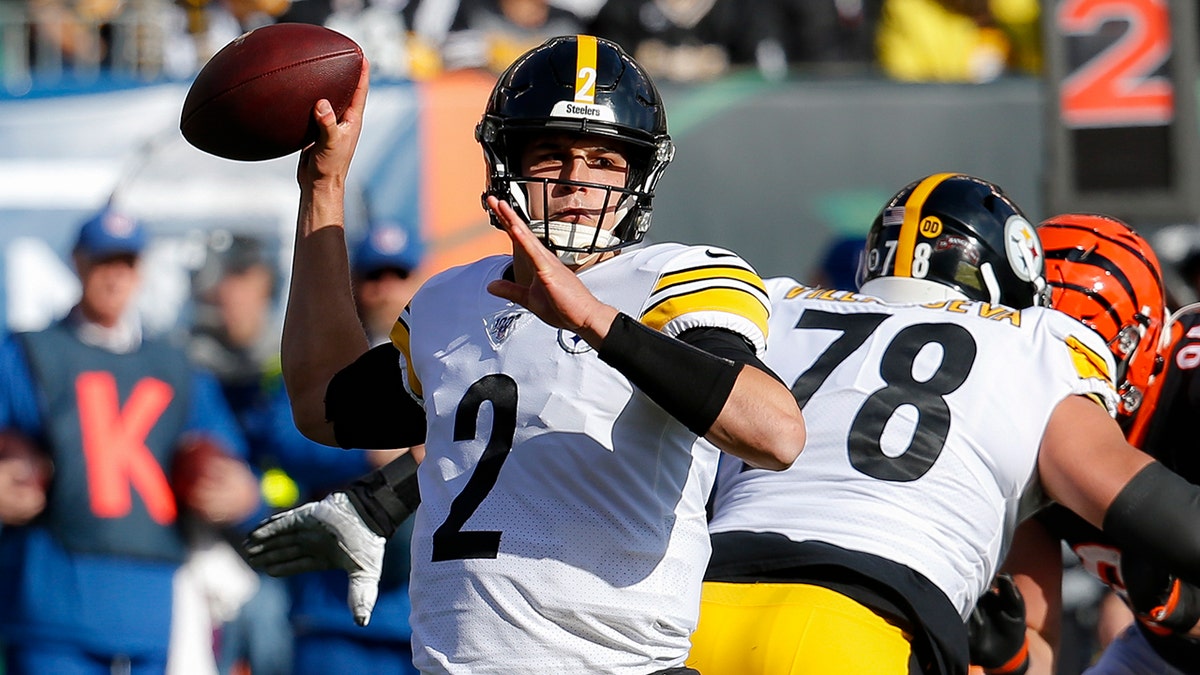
(575, 235)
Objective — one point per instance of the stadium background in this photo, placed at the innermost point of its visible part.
(773, 170)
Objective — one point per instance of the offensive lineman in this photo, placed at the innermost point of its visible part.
(940, 402)
(571, 398)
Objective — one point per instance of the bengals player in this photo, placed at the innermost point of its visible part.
(1106, 275)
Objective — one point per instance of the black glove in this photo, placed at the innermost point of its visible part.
(1159, 599)
(996, 629)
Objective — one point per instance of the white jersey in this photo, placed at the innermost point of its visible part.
(924, 423)
(562, 520)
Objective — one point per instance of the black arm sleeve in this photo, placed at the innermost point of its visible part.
(368, 406)
(1157, 513)
(689, 383)
(726, 344)
(386, 497)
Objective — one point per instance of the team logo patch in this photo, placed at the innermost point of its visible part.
(1024, 249)
(572, 343)
(503, 324)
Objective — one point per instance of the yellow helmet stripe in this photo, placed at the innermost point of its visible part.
(907, 241)
(730, 300)
(585, 69)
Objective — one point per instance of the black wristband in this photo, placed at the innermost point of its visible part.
(1156, 514)
(689, 383)
(386, 497)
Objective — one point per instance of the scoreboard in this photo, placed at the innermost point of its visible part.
(1121, 109)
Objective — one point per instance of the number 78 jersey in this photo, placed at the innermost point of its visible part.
(924, 423)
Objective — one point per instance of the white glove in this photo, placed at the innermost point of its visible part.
(323, 535)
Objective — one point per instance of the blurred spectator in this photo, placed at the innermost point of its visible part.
(236, 337)
(212, 24)
(384, 265)
(828, 31)
(328, 642)
(839, 264)
(78, 31)
(697, 40)
(90, 584)
(491, 34)
(958, 40)
(378, 26)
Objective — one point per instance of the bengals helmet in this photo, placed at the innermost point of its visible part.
(950, 235)
(1106, 275)
(586, 85)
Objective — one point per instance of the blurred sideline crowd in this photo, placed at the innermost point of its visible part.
(676, 40)
(207, 442)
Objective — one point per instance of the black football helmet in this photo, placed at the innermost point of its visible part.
(586, 85)
(952, 235)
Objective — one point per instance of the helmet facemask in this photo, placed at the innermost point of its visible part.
(623, 216)
(587, 87)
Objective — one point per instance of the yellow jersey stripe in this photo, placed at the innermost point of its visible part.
(1088, 363)
(400, 338)
(715, 272)
(732, 300)
(907, 240)
(585, 69)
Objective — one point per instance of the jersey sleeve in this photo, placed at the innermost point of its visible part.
(1091, 367)
(401, 338)
(706, 286)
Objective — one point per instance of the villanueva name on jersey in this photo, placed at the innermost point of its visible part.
(985, 310)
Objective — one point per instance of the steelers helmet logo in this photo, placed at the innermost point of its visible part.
(1024, 249)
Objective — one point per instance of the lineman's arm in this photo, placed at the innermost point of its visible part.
(742, 410)
(1086, 465)
(321, 331)
(1035, 563)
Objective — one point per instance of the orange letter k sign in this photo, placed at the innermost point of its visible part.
(114, 445)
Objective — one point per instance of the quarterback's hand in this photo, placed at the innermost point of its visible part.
(996, 629)
(323, 535)
(554, 293)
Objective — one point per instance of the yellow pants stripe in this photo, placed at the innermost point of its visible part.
(792, 629)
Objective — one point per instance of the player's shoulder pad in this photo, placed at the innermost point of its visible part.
(779, 288)
(704, 286)
(1090, 356)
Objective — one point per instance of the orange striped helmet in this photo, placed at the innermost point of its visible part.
(1106, 275)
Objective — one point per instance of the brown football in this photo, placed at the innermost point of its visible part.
(253, 100)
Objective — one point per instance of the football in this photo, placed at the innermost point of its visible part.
(253, 100)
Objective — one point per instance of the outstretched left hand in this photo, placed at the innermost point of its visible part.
(547, 287)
